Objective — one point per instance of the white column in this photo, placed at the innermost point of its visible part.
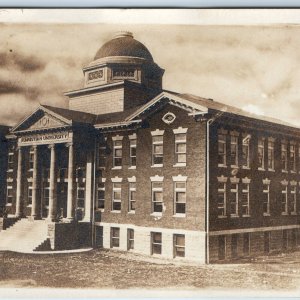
(19, 184)
(52, 185)
(88, 188)
(70, 203)
(34, 183)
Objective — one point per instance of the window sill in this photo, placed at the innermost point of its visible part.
(261, 169)
(245, 168)
(246, 216)
(99, 210)
(156, 214)
(222, 166)
(30, 205)
(179, 216)
(293, 172)
(8, 204)
(222, 217)
(9, 180)
(132, 168)
(116, 168)
(179, 165)
(234, 216)
(271, 170)
(131, 212)
(9, 170)
(157, 166)
(284, 214)
(293, 213)
(284, 171)
(266, 215)
(234, 166)
(115, 211)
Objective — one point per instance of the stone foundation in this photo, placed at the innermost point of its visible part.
(66, 236)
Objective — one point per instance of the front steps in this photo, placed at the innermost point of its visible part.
(24, 236)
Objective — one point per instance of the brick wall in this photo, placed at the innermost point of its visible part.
(100, 103)
(194, 170)
(256, 218)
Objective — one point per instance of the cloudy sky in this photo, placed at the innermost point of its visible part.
(255, 67)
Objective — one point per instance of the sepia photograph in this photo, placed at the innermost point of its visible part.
(150, 151)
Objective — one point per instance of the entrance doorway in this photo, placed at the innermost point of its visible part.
(62, 196)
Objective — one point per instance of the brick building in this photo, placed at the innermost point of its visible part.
(131, 166)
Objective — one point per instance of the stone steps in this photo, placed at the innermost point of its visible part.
(24, 236)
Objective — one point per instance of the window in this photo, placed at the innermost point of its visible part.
(180, 197)
(10, 165)
(246, 152)
(267, 237)
(117, 154)
(115, 237)
(234, 199)
(130, 239)
(100, 201)
(234, 244)
(222, 247)
(245, 199)
(284, 159)
(292, 158)
(80, 195)
(116, 199)
(9, 194)
(246, 244)
(132, 196)
(222, 149)
(133, 152)
(157, 150)
(261, 153)
(46, 193)
(180, 148)
(29, 195)
(270, 154)
(293, 199)
(266, 199)
(284, 239)
(221, 199)
(157, 197)
(284, 200)
(99, 236)
(31, 159)
(80, 173)
(179, 245)
(102, 156)
(156, 242)
(46, 174)
(234, 150)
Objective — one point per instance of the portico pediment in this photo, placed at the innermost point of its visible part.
(41, 119)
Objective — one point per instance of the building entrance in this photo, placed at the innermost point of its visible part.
(62, 196)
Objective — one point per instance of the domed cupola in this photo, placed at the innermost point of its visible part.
(123, 44)
(122, 75)
(123, 58)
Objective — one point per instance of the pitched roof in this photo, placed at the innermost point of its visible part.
(72, 115)
(127, 117)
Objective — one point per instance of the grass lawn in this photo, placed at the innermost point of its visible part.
(103, 269)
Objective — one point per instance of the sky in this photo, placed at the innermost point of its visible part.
(251, 63)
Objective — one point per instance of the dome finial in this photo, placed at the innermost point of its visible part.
(121, 34)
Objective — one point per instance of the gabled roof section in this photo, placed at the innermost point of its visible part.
(172, 98)
(49, 117)
(72, 115)
(199, 105)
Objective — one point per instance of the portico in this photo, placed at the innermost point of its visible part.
(51, 182)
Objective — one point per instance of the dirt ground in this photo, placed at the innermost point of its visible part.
(103, 269)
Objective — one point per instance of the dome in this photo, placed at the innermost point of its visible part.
(123, 44)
